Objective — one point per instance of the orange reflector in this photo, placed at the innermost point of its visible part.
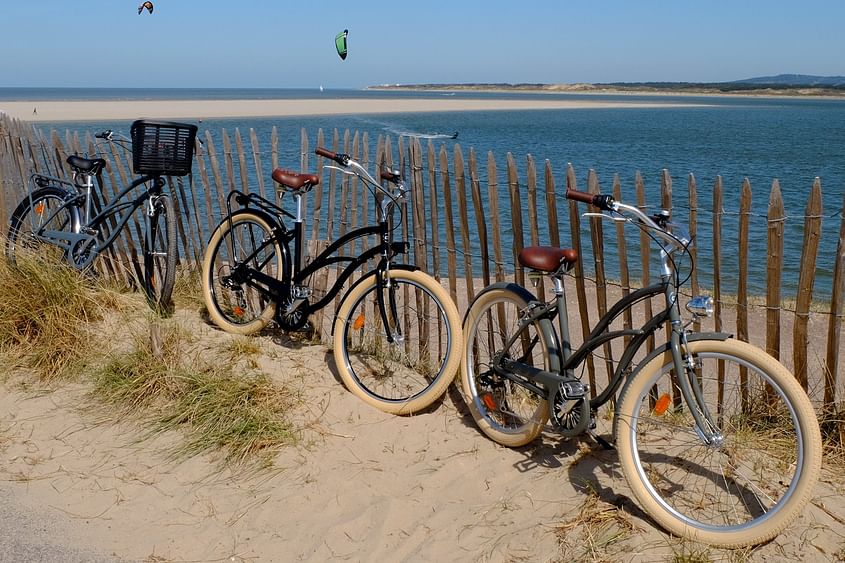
(359, 322)
(238, 311)
(39, 208)
(662, 404)
(153, 282)
(489, 401)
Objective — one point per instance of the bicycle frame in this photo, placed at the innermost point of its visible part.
(293, 276)
(68, 240)
(527, 376)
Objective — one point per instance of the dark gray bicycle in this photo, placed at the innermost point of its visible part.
(62, 213)
(716, 438)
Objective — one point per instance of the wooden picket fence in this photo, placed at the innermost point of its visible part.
(468, 220)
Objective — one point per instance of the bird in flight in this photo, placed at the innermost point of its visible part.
(147, 5)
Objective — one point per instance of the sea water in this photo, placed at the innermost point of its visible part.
(793, 140)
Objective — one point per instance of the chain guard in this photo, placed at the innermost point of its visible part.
(82, 252)
(569, 408)
(295, 320)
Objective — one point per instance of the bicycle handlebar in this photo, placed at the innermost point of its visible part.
(607, 203)
(340, 158)
(599, 200)
(348, 162)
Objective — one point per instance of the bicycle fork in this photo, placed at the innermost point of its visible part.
(683, 364)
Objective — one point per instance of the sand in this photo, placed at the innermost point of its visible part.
(362, 486)
(206, 109)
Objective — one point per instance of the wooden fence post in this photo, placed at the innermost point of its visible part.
(774, 270)
(493, 196)
(450, 228)
(461, 191)
(717, 254)
(806, 278)
(516, 218)
(834, 326)
(742, 281)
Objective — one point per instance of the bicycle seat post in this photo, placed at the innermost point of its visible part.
(299, 232)
(563, 316)
(87, 184)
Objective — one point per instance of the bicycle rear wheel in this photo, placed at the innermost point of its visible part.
(238, 305)
(749, 484)
(44, 211)
(505, 411)
(160, 253)
(412, 372)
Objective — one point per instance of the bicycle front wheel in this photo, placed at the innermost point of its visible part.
(234, 303)
(505, 411)
(410, 370)
(160, 253)
(44, 211)
(758, 473)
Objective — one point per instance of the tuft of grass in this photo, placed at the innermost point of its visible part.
(45, 312)
(242, 347)
(243, 414)
(187, 291)
(832, 425)
(687, 554)
(598, 532)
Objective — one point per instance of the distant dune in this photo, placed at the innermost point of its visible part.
(780, 85)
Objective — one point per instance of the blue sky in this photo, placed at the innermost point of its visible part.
(279, 44)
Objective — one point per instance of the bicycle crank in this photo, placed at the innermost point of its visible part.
(569, 408)
(82, 251)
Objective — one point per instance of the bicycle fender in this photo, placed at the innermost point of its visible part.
(547, 328)
(692, 337)
(362, 279)
(511, 286)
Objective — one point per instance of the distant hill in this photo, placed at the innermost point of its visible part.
(795, 80)
(781, 84)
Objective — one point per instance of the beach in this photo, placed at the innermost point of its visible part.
(81, 110)
(361, 485)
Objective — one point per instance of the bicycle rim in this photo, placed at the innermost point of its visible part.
(413, 371)
(505, 411)
(237, 305)
(37, 216)
(754, 479)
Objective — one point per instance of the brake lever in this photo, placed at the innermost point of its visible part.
(618, 219)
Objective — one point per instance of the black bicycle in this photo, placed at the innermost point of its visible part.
(397, 333)
(716, 438)
(62, 213)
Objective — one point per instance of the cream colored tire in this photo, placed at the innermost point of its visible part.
(752, 482)
(410, 374)
(504, 411)
(245, 311)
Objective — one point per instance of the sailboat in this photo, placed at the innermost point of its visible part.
(321, 87)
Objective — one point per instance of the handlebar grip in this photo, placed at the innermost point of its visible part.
(599, 200)
(340, 158)
(583, 197)
(326, 153)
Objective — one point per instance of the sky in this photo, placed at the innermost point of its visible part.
(282, 44)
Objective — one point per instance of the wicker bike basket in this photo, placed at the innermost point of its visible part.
(162, 148)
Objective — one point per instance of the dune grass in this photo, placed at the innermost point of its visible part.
(46, 312)
(50, 327)
(170, 387)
